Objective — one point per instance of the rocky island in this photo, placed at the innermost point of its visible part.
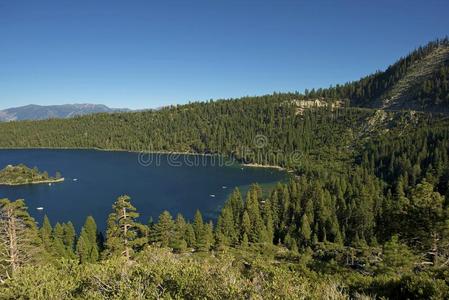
(22, 175)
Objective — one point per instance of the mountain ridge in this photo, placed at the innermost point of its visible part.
(418, 81)
(64, 111)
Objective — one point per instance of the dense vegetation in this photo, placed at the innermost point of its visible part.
(21, 174)
(284, 246)
(366, 214)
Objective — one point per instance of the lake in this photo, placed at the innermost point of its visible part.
(94, 180)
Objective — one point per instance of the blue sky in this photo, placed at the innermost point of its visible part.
(143, 54)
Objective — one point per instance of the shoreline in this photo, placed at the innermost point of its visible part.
(254, 165)
(248, 165)
(35, 182)
(110, 150)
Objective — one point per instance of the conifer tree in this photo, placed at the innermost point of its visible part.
(164, 229)
(190, 235)
(45, 233)
(257, 230)
(87, 246)
(268, 219)
(20, 243)
(246, 224)
(124, 233)
(429, 221)
(58, 246)
(198, 225)
(289, 241)
(305, 231)
(205, 238)
(69, 238)
(179, 243)
(244, 244)
(397, 258)
(235, 202)
(83, 248)
(90, 227)
(226, 227)
(284, 208)
(209, 232)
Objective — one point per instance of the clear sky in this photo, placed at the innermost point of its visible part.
(144, 54)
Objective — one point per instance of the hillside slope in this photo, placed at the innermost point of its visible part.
(419, 81)
(406, 92)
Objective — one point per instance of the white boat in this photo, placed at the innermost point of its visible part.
(75, 179)
(224, 187)
(49, 184)
(40, 208)
(212, 195)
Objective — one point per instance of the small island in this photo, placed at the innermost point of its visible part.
(22, 175)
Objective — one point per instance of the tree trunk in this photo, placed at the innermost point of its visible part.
(434, 250)
(9, 239)
(125, 233)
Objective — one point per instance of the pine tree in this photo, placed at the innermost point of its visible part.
(87, 247)
(397, 258)
(164, 230)
(45, 233)
(179, 243)
(334, 230)
(226, 227)
(124, 233)
(205, 237)
(245, 242)
(58, 247)
(235, 203)
(246, 224)
(69, 238)
(305, 231)
(20, 243)
(190, 235)
(91, 230)
(83, 248)
(198, 225)
(289, 240)
(284, 208)
(268, 219)
(257, 231)
(428, 221)
(209, 235)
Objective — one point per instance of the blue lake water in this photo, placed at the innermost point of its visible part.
(94, 179)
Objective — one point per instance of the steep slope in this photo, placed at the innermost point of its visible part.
(38, 112)
(419, 81)
(405, 93)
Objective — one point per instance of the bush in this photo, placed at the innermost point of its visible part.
(157, 273)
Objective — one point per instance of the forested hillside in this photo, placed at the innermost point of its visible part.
(419, 81)
(366, 212)
(370, 198)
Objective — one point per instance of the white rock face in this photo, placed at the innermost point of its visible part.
(302, 105)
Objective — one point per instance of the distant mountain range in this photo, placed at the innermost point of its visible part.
(38, 112)
(418, 81)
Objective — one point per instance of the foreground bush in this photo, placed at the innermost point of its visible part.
(159, 274)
